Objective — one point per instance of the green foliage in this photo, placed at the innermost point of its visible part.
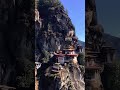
(46, 56)
(49, 3)
(113, 77)
(80, 59)
(25, 71)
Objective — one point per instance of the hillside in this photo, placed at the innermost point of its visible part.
(114, 42)
(81, 43)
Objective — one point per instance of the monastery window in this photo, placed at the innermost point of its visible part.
(66, 52)
(61, 60)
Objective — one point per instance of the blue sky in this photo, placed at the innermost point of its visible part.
(76, 11)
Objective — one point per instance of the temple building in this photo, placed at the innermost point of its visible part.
(79, 48)
(68, 54)
(65, 56)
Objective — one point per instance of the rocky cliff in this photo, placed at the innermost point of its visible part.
(55, 26)
(70, 77)
(16, 38)
(52, 28)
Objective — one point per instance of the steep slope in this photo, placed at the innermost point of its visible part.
(52, 30)
(55, 26)
(114, 42)
(17, 43)
(69, 78)
(81, 43)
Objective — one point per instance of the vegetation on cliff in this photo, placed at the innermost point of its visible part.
(55, 26)
(111, 76)
(50, 40)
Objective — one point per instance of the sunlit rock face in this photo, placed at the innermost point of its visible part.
(70, 77)
(55, 27)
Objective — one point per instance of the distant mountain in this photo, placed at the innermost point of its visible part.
(81, 43)
(114, 42)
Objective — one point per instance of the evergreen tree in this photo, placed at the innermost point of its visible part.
(80, 59)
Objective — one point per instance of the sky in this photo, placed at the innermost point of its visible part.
(108, 13)
(76, 12)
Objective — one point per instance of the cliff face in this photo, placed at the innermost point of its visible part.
(98, 53)
(16, 38)
(54, 26)
(69, 78)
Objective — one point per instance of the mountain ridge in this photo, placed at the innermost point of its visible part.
(82, 43)
(114, 42)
